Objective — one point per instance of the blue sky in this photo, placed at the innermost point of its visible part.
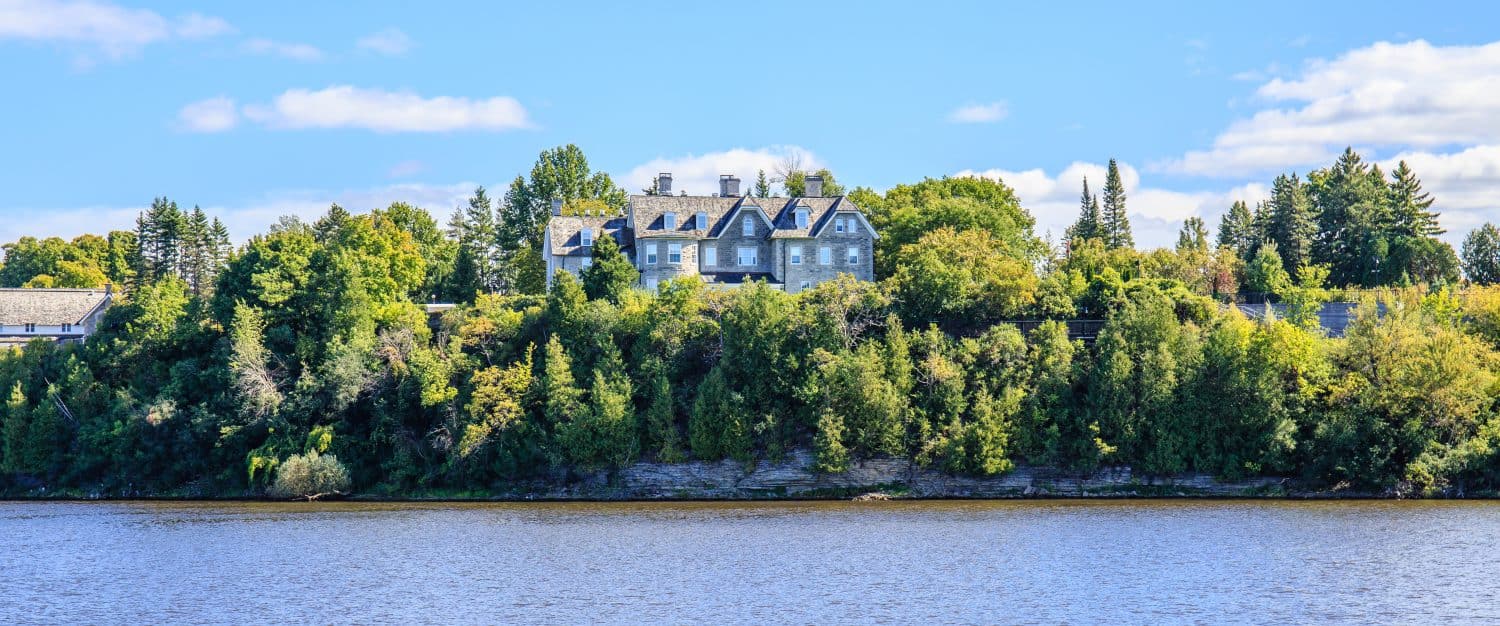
(253, 110)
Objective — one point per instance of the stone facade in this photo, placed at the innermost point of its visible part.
(786, 240)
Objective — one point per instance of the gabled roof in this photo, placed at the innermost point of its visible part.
(563, 232)
(648, 212)
(818, 211)
(49, 307)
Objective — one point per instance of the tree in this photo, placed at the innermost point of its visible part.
(717, 426)
(564, 400)
(1089, 224)
(662, 433)
(762, 186)
(1193, 237)
(254, 383)
(957, 276)
(1482, 255)
(611, 275)
(561, 173)
(1115, 221)
(794, 183)
(1266, 273)
(910, 212)
(1411, 212)
(310, 476)
(1291, 226)
(1237, 230)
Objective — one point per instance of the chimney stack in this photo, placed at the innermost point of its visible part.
(664, 184)
(729, 186)
(557, 206)
(814, 186)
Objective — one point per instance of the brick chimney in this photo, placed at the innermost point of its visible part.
(664, 184)
(729, 186)
(814, 186)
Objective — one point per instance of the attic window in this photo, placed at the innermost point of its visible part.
(703, 220)
(801, 218)
(67, 328)
(747, 227)
(669, 221)
(586, 237)
(838, 225)
(30, 327)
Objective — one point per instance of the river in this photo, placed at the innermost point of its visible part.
(799, 562)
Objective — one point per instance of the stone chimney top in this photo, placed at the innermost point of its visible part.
(814, 185)
(664, 184)
(729, 185)
(556, 206)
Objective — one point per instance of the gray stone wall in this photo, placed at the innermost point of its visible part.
(732, 239)
(662, 270)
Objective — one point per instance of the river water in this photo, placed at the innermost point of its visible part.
(815, 563)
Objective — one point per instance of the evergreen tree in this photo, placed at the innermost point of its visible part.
(561, 173)
(611, 275)
(564, 400)
(662, 434)
(1410, 205)
(762, 186)
(1193, 237)
(1089, 224)
(1116, 223)
(1291, 226)
(159, 233)
(1481, 254)
(198, 253)
(1350, 200)
(1236, 229)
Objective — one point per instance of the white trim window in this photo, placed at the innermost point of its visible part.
(651, 284)
(30, 327)
(825, 255)
(710, 256)
(588, 262)
(650, 254)
(669, 221)
(801, 218)
(854, 255)
(806, 284)
(747, 225)
(748, 256)
(586, 237)
(794, 255)
(839, 225)
(674, 253)
(702, 220)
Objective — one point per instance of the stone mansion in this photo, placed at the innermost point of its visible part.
(724, 239)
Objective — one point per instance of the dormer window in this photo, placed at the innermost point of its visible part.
(669, 221)
(801, 218)
(747, 227)
(703, 220)
(586, 237)
(839, 225)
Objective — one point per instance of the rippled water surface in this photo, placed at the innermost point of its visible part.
(948, 562)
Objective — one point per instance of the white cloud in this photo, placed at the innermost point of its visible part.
(698, 175)
(1155, 214)
(345, 106)
(406, 168)
(110, 29)
(1409, 95)
(979, 113)
(1463, 184)
(283, 49)
(389, 42)
(243, 219)
(210, 115)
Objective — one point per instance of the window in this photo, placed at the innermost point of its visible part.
(588, 261)
(586, 237)
(702, 220)
(650, 254)
(669, 221)
(710, 256)
(747, 227)
(825, 255)
(674, 253)
(838, 225)
(794, 255)
(853, 255)
(30, 328)
(747, 256)
(801, 218)
(651, 284)
(806, 284)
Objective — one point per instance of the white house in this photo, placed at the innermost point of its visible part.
(63, 315)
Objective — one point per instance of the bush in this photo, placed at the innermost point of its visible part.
(310, 476)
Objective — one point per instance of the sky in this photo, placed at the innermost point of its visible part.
(257, 110)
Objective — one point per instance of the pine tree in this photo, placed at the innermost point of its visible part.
(159, 239)
(197, 267)
(1292, 226)
(1088, 225)
(1193, 237)
(664, 438)
(1410, 206)
(564, 400)
(1481, 254)
(1236, 229)
(477, 241)
(611, 275)
(1114, 219)
(762, 186)
(17, 421)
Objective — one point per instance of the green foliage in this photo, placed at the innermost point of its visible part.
(909, 212)
(310, 476)
(1114, 221)
(1482, 255)
(612, 274)
(1266, 273)
(952, 275)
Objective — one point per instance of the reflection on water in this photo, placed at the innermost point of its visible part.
(967, 562)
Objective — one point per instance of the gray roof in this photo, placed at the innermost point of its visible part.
(49, 307)
(648, 212)
(565, 230)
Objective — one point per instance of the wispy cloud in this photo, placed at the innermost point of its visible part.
(283, 49)
(101, 27)
(389, 42)
(698, 174)
(211, 115)
(345, 106)
(406, 168)
(979, 113)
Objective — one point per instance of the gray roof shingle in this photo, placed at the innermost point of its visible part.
(566, 228)
(48, 307)
(781, 211)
